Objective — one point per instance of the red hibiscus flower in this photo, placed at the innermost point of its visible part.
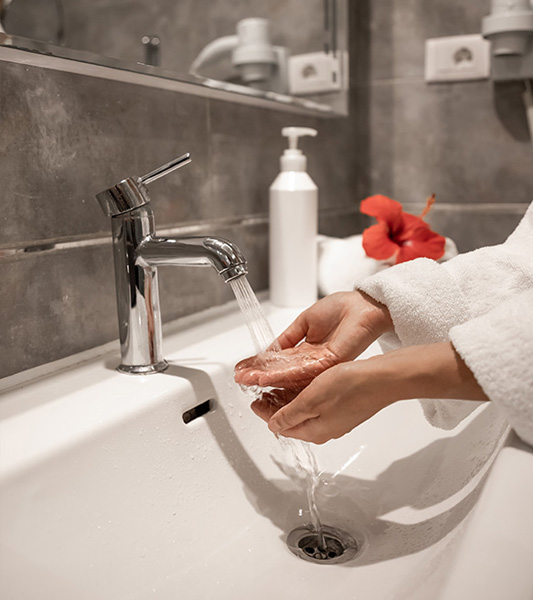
(399, 235)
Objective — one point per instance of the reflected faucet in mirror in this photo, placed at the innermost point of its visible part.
(152, 49)
(254, 60)
(138, 251)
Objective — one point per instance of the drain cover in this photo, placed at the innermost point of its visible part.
(332, 547)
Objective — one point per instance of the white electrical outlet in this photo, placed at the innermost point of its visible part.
(457, 58)
(314, 73)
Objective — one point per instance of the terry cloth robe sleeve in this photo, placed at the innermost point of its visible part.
(426, 299)
(498, 348)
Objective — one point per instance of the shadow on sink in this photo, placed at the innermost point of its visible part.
(409, 506)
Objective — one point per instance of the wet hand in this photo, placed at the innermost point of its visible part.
(348, 394)
(335, 329)
(333, 404)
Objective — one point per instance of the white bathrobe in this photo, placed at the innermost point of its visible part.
(483, 302)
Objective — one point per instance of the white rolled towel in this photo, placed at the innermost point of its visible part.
(343, 263)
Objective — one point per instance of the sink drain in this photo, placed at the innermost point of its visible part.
(333, 547)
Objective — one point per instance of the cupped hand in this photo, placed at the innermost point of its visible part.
(268, 404)
(335, 329)
(349, 393)
(333, 404)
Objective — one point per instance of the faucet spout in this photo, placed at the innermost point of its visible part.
(224, 256)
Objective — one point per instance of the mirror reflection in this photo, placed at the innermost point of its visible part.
(293, 48)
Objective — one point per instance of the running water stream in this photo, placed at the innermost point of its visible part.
(263, 338)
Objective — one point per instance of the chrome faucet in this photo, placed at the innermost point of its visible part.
(138, 251)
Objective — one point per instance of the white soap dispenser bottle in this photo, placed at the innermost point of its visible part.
(293, 228)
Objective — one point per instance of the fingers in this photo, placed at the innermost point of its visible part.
(294, 333)
(270, 402)
(290, 416)
(261, 378)
(264, 409)
(291, 368)
(246, 363)
(320, 412)
(246, 376)
(295, 377)
(312, 430)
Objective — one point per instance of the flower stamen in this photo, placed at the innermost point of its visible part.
(429, 203)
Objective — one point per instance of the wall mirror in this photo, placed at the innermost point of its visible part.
(289, 51)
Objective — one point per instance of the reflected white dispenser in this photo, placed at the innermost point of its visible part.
(293, 227)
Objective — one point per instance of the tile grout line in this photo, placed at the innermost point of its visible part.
(46, 247)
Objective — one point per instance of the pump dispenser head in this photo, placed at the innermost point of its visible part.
(293, 159)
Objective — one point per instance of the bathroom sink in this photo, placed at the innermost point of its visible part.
(107, 493)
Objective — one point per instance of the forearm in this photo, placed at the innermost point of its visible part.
(349, 393)
(428, 371)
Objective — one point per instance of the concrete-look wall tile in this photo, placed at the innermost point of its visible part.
(245, 160)
(54, 305)
(447, 140)
(338, 162)
(399, 31)
(359, 18)
(243, 157)
(66, 137)
(342, 224)
(471, 229)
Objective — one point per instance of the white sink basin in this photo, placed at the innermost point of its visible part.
(107, 494)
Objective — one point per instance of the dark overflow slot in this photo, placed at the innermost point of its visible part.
(197, 411)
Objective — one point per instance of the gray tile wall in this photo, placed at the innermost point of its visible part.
(65, 137)
(467, 142)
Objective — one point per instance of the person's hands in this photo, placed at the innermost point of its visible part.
(348, 394)
(335, 329)
(333, 403)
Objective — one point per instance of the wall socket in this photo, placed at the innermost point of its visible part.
(315, 73)
(457, 58)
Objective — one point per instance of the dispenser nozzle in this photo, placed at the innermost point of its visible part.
(293, 133)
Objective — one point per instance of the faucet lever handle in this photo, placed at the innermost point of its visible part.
(177, 163)
(129, 194)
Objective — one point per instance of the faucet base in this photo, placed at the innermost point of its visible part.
(143, 369)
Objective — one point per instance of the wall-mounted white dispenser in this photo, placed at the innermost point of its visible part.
(258, 63)
(509, 27)
(254, 55)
